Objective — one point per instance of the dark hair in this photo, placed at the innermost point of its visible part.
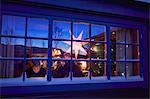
(36, 62)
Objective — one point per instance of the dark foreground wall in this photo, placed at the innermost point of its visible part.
(137, 92)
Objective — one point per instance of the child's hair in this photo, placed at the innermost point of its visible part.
(36, 62)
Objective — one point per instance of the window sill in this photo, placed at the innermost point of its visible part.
(61, 81)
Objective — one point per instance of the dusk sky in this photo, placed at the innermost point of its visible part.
(39, 28)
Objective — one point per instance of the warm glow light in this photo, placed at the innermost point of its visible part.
(83, 65)
(95, 49)
(113, 33)
(41, 63)
(57, 52)
(122, 74)
(77, 46)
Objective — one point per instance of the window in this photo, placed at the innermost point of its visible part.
(36, 47)
(80, 50)
(74, 43)
(13, 25)
(12, 45)
(98, 68)
(21, 50)
(11, 68)
(37, 28)
(124, 49)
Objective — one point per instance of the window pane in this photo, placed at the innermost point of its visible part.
(61, 30)
(98, 51)
(60, 69)
(132, 36)
(98, 32)
(61, 49)
(117, 34)
(80, 68)
(37, 48)
(80, 31)
(36, 68)
(98, 69)
(11, 68)
(132, 52)
(13, 25)
(12, 47)
(132, 69)
(81, 50)
(117, 69)
(37, 28)
(117, 52)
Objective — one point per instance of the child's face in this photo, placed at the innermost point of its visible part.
(36, 69)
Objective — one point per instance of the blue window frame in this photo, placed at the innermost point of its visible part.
(98, 49)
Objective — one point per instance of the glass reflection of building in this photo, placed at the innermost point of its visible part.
(85, 44)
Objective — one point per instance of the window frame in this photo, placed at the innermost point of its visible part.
(50, 39)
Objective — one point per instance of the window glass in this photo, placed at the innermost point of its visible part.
(80, 68)
(37, 28)
(60, 69)
(117, 34)
(98, 32)
(61, 49)
(13, 25)
(36, 68)
(98, 69)
(117, 69)
(132, 69)
(37, 48)
(87, 57)
(11, 68)
(132, 52)
(80, 50)
(12, 47)
(117, 52)
(61, 30)
(98, 51)
(132, 35)
(80, 31)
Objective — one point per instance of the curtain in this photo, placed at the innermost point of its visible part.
(7, 47)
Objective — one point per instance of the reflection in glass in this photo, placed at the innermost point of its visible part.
(61, 30)
(117, 52)
(98, 51)
(132, 69)
(132, 36)
(80, 31)
(37, 48)
(80, 69)
(36, 68)
(117, 34)
(37, 28)
(12, 47)
(98, 69)
(11, 68)
(98, 32)
(60, 69)
(132, 52)
(13, 25)
(117, 69)
(61, 49)
(81, 50)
